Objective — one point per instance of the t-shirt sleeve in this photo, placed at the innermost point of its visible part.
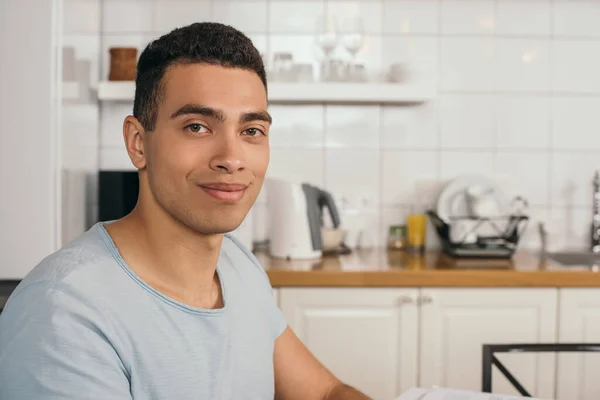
(277, 320)
(55, 345)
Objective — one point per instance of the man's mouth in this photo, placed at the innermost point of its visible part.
(227, 192)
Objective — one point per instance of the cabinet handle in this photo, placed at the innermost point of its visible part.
(425, 300)
(405, 300)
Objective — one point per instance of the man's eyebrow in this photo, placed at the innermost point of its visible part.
(256, 116)
(199, 109)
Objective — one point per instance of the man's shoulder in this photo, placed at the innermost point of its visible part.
(70, 263)
(238, 257)
(234, 250)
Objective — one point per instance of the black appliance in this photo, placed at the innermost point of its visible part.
(117, 194)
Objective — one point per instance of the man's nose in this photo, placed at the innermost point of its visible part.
(228, 156)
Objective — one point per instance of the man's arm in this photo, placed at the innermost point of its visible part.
(300, 376)
(54, 344)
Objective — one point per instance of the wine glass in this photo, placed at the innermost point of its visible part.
(327, 39)
(353, 35)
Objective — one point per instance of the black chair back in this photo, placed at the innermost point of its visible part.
(490, 359)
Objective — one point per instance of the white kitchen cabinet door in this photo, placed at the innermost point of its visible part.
(455, 323)
(29, 134)
(579, 322)
(366, 337)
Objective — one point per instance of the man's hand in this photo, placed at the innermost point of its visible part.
(300, 376)
(345, 392)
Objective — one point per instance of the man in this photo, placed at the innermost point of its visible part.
(162, 304)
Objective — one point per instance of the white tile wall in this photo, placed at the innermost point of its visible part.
(574, 121)
(127, 16)
(522, 65)
(575, 65)
(401, 170)
(176, 13)
(419, 53)
(301, 47)
(576, 18)
(467, 63)
(523, 122)
(296, 16)
(352, 127)
(250, 16)
(467, 121)
(518, 100)
(411, 16)
(528, 173)
(466, 162)
(347, 11)
(298, 165)
(516, 17)
(467, 17)
(571, 181)
(81, 16)
(299, 126)
(353, 174)
(410, 127)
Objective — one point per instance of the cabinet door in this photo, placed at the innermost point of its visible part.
(29, 134)
(455, 323)
(366, 337)
(579, 322)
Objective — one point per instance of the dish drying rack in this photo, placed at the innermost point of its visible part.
(502, 244)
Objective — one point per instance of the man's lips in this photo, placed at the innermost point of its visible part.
(229, 192)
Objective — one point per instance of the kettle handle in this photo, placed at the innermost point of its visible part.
(326, 200)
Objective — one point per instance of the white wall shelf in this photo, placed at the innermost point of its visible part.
(383, 93)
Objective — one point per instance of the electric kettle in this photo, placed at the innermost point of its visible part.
(295, 214)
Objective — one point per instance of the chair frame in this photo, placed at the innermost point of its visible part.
(489, 359)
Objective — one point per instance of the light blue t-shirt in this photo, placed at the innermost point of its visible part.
(82, 325)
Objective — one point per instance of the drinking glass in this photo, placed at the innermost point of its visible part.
(327, 40)
(352, 40)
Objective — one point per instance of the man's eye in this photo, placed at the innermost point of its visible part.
(253, 131)
(196, 128)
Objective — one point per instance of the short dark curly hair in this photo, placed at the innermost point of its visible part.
(202, 42)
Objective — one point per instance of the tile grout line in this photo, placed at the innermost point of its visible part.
(496, 103)
(380, 223)
(381, 240)
(439, 91)
(550, 133)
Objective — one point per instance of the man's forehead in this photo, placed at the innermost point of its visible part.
(203, 83)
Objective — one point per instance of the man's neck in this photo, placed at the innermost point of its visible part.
(170, 257)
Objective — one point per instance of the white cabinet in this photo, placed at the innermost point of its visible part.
(455, 323)
(367, 337)
(385, 340)
(577, 373)
(29, 132)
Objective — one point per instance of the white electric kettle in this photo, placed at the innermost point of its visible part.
(295, 213)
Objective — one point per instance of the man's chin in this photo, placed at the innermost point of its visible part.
(216, 227)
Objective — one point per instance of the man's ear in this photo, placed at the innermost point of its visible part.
(135, 137)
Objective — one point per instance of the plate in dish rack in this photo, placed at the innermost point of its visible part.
(452, 201)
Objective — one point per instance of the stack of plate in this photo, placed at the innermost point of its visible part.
(454, 202)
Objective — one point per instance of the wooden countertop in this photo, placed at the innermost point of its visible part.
(381, 268)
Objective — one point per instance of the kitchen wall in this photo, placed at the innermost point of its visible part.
(518, 94)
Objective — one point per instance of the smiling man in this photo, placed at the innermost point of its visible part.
(163, 304)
